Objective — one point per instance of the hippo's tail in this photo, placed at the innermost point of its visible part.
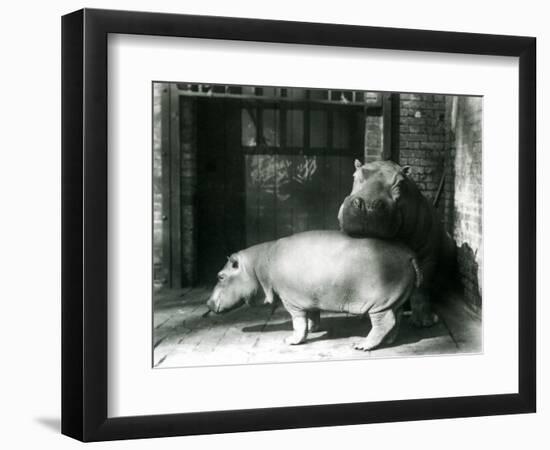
(417, 271)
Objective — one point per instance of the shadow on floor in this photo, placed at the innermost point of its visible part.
(346, 327)
(186, 334)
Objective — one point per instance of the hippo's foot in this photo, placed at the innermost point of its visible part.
(299, 323)
(364, 345)
(313, 321)
(383, 323)
(424, 319)
(294, 340)
(422, 315)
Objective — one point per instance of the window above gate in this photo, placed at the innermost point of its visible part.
(288, 120)
(283, 94)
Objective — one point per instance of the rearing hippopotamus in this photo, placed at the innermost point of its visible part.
(386, 203)
(323, 270)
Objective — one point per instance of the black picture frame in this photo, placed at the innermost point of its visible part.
(84, 224)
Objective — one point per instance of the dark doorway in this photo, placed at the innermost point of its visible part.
(220, 185)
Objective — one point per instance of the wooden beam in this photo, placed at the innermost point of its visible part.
(165, 187)
(175, 190)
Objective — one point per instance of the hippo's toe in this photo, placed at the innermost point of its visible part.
(364, 345)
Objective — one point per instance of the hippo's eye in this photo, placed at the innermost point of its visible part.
(233, 262)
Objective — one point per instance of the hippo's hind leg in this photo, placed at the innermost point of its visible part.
(313, 321)
(383, 323)
(392, 335)
(299, 325)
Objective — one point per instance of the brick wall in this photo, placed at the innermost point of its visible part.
(440, 137)
(157, 184)
(463, 190)
(180, 113)
(422, 139)
(374, 127)
(374, 135)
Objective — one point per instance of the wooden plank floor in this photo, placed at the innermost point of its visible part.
(185, 335)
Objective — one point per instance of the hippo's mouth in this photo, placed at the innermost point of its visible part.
(217, 308)
(384, 225)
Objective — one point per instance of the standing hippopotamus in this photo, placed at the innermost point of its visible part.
(386, 203)
(323, 270)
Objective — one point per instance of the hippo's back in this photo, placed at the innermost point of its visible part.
(330, 270)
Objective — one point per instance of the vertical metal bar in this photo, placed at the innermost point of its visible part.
(306, 122)
(283, 112)
(330, 112)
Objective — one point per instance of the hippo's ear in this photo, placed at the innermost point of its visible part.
(358, 164)
(406, 170)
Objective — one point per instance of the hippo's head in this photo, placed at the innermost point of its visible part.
(235, 286)
(378, 200)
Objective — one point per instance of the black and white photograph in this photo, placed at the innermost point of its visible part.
(277, 225)
(305, 224)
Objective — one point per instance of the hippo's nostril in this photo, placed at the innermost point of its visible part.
(221, 276)
(375, 205)
(214, 303)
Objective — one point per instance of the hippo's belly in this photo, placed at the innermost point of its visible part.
(330, 271)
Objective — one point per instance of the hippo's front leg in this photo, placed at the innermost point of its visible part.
(299, 324)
